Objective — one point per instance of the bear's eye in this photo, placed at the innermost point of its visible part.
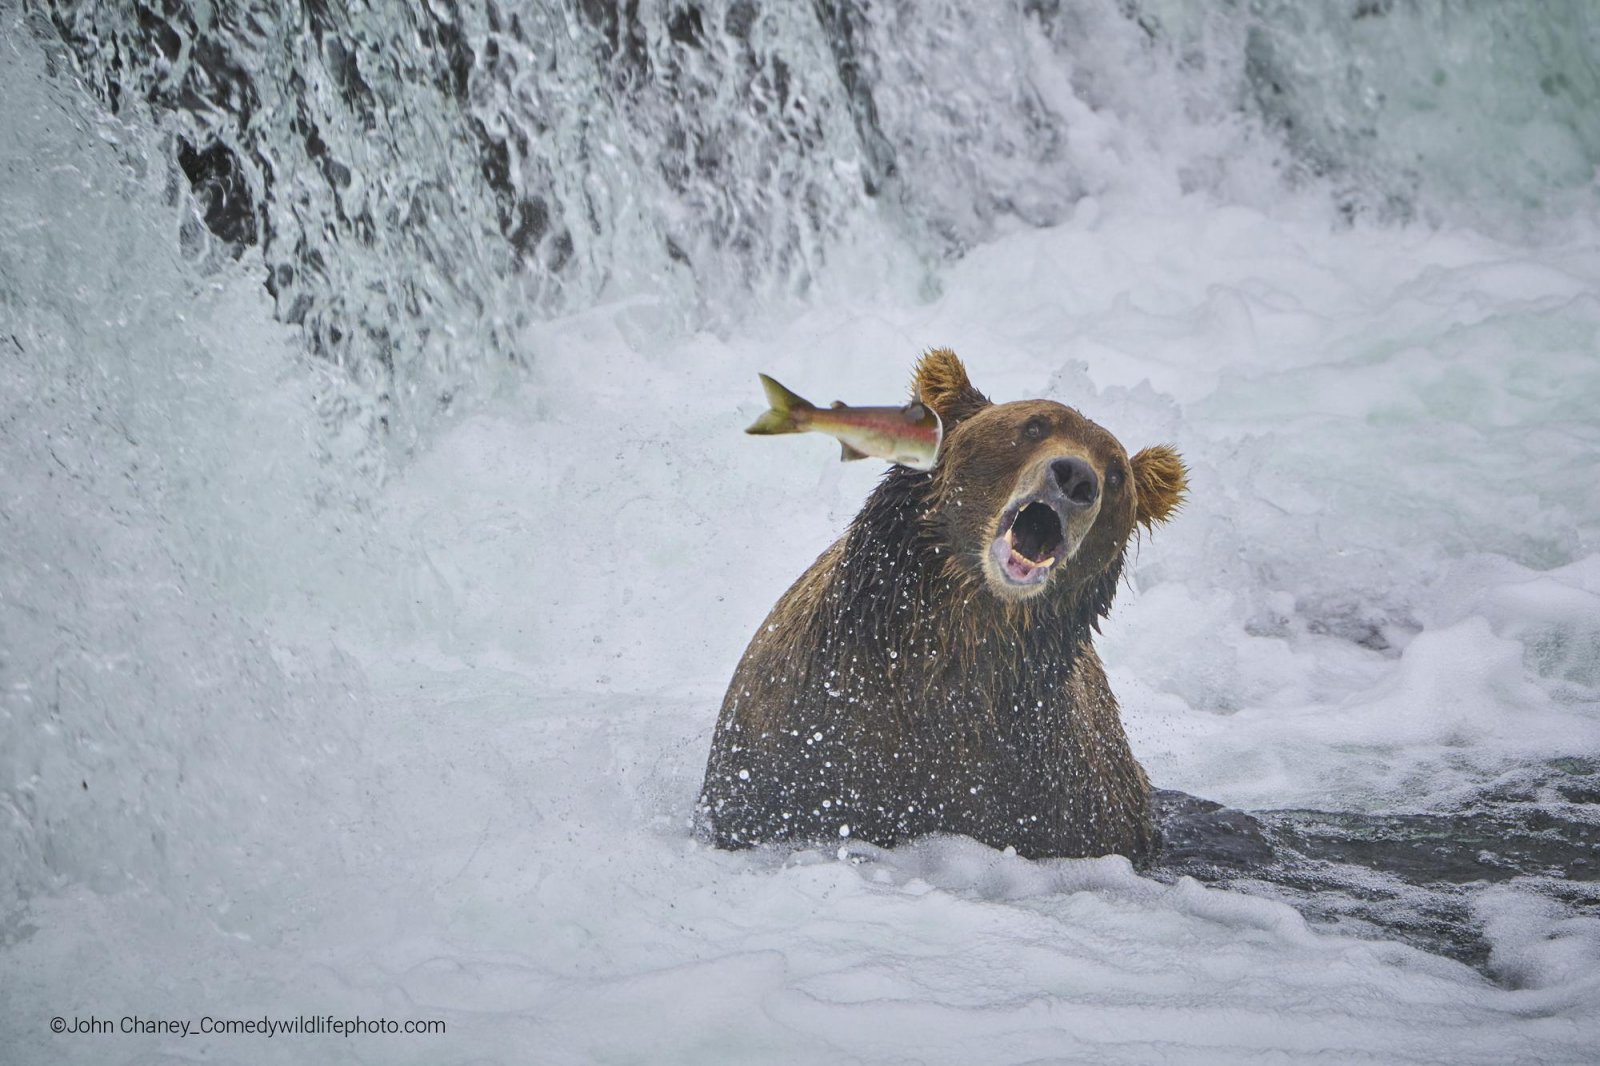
(1114, 477)
(1035, 428)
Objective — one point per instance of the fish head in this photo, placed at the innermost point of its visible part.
(917, 453)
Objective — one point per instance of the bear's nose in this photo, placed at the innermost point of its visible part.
(1077, 480)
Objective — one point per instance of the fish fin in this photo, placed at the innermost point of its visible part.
(848, 454)
(780, 419)
(837, 405)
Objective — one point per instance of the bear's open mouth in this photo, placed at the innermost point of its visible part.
(1032, 538)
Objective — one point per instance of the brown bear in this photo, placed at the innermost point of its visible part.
(934, 671)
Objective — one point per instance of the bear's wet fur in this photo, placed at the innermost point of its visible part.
(932, 672)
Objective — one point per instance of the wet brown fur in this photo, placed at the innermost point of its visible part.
(893, 691)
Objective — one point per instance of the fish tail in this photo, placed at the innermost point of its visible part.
(781, 418)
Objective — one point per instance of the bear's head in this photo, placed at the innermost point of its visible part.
(1031, 500)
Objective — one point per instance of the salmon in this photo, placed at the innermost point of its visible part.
(908, 435)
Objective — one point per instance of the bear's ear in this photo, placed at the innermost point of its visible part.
(941, 382)
(1159, 479)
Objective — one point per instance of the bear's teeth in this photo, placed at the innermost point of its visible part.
(1032, 564)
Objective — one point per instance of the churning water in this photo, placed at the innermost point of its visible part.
(376, 532)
